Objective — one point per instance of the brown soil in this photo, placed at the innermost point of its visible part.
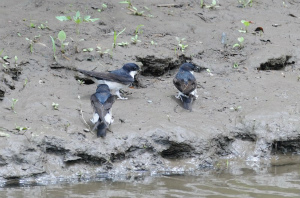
(252, 107)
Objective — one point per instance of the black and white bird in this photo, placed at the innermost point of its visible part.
(102, 102)
(186, 83)
(116, 79)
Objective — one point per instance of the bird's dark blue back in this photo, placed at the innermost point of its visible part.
(185, 76)
(102, 96)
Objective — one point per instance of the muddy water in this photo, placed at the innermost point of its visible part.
(276, 181)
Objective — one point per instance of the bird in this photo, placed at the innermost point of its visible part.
(186, 84)
(116, 79)
(102, 102)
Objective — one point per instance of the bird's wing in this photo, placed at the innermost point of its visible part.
(187, 86)
(109, 76)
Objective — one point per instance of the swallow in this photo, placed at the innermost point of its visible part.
(116, 79)
(186, 83)
(102, 102)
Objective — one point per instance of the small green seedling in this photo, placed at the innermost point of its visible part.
(104, 6)
(13, 103)
(32, 25)
(235, 108)
(240, 44)
(209, 72)
(128, 2)
(123, 44)
(16, 59)
(244, 3)
(55, 105)
(81, 82)
(19, 128)
(235, 65)
(53, 47)
(180, 44)
(246, 24)
(116, 36)
(135, 11)
(78, 20)
(43, 26)
(88, 49)
(137, 30)
(213, 5)
(202, 4)
(135, 40)
(32, 41)
(153, 43)
(62, 37)
(99, 50)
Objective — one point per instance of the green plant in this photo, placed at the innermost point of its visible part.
(153, 43)
(180, 44)
(137, 30)
(43, 26)
(235, 65)
(202, 3)
(16, 59)
(213, 5)
(19, 128)
(81, 82)
(99, 50)
(135, 39)
(32, 25)
(104, 6)
(244, 3)
(123, 44)
(88, 49)
(62, 37)
(32, 41)
(78, 19)
(55, 105)
(246, 24)
(235, 108)
(116, 36)
(53, 47)
(128, 2)
(135, 11)
(13, 103)
(240, 44)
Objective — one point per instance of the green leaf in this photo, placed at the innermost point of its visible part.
(93, 20)
(53, 45)
(241, 39)
(236, 45)
(121, 32)
(63, 18)
(77, 15)
(62, 36)
(87, 18)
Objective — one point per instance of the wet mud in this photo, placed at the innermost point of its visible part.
(247, 107)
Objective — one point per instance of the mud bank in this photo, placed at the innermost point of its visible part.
(247, 107)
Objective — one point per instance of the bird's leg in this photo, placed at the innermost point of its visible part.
(119, 95)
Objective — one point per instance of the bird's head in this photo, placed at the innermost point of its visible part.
(131, 67)
(188, 67)
(102, 88)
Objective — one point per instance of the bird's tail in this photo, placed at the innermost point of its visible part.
(101, 129)
(187, 101)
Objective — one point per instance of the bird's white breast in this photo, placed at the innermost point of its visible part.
(133, 73)
(111, 85)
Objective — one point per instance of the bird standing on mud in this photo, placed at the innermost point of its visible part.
(102, 102)
(116, 79)
(186, 83)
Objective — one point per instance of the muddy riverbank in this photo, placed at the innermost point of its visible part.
(248, 101)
